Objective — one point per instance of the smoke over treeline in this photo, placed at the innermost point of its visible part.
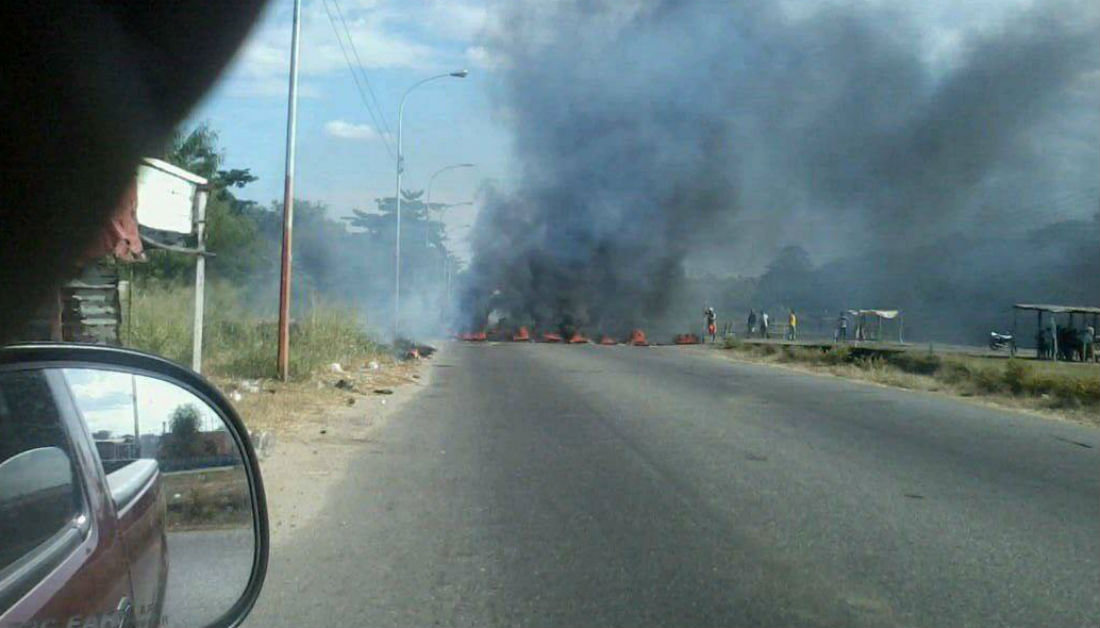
(917, 155)
(346, 261)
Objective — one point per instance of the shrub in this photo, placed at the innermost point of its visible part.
(954, 371)
(988, 380)
(841, 354)
(1016, 376)
(919, 363)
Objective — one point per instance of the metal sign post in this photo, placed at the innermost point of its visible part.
(200, 278)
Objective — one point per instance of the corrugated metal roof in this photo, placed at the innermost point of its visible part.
(90, 308)
(1059, 309)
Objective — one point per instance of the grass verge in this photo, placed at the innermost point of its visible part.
(237, 342)
(212, 498)
(1066, 390)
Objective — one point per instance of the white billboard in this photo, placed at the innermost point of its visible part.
(166, 196)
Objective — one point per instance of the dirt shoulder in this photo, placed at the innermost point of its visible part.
(1060, 391)
(312, 429)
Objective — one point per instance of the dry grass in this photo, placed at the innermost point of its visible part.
(1063, 390)
(239, 354)
(237, 342)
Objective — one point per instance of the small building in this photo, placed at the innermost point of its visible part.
(88, 308)
(163, 207)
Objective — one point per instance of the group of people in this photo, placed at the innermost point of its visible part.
(760, 325)
(1066, 343)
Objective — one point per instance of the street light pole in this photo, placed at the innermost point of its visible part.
(397, 195)
(431, 182)
(288, 201)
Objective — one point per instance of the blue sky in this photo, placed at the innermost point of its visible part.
(105, 399)
(342, 159)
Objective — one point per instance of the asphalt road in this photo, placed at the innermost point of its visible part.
(552, 485)
(207, 572)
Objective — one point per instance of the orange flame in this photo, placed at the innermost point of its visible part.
(638, 339)
(523, 335)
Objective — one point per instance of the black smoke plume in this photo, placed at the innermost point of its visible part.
(663, 137)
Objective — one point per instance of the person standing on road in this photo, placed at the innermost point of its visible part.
(792, 325)
(751, 329)
(711, 319)
(764, 325)
(841, 333)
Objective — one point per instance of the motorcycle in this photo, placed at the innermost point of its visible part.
(1002, 341)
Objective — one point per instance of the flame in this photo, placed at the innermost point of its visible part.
(551, 337)
(578, 339)
(607, 340)
(637, 338)
(687, 339)
(477, 336)
(523, 335)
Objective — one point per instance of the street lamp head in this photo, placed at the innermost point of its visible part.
(463, 73)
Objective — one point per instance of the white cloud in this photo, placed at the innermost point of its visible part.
(481, 57)
(375, 29)
(450, 19)
(345, 130)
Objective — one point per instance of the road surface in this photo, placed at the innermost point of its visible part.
(207, 573)
(555, 485)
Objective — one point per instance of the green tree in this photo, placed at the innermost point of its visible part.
(414, 219)
(183, 441)
(195, 151)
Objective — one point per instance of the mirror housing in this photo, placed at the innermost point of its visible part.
(53, 360)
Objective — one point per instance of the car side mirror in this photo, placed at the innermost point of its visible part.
(130, 493)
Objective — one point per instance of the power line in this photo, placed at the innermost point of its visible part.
(379, 121)
(359, 64)
(376, 117)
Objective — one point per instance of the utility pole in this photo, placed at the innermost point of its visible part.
(288, 200)
(137, 423)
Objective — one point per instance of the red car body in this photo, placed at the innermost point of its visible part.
(110, 566)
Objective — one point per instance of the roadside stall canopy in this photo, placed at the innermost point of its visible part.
(1039, 308)
(1058, 309)
(1085, 311)
(880, 315)
(888, 314)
